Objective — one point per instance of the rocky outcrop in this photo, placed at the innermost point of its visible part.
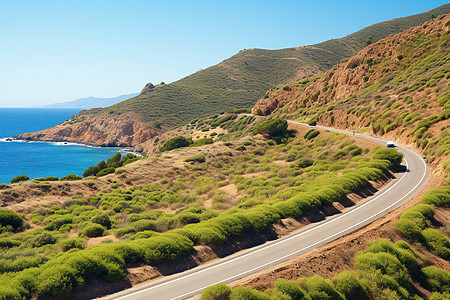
(149, 86)
(104, 130)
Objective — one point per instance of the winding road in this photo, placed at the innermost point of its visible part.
(189, 283)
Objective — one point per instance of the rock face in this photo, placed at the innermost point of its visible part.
(149, 86)
(351, 76)
(103, 130)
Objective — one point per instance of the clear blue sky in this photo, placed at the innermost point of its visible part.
(54, 51)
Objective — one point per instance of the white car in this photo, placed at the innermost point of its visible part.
(390, 144)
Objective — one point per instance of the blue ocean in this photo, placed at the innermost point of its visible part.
(40, 159)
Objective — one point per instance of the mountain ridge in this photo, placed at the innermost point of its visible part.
(91, 102)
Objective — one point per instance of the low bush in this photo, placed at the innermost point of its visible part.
(438, 197)
(72, 243)
(290, 288)
(219, 291)
(437, 242)
(241, 293)
(20, 178)
(348, 284)
(70, 177)
(438, 280)
(274, 127)
(176, 142)
(391, 155)
(105, 171)
(92, 230)
(310, 134)
(319, 288)
(9, 220)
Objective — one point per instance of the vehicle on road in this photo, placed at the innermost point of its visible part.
(390, 144)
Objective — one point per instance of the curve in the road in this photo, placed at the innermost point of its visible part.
(244, 263)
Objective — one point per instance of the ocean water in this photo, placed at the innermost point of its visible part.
(40, 159)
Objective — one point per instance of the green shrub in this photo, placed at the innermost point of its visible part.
(57, 281)
(438, 280)
(8, 243)
(41, 239)
(198, 158)
(51, 178)
(92, 230)
(54, 222)
(72, 243)
(387, 265)
(102, 219)
(274, 127)
(317, 286)
(105, 171)
(219, 291)
(71, 177)
(392, 155)
(9, 220)
(91, 171)
(302, 163)
(437, 242)
(20, 178)
(245, 293)
(310, 134)
(409, 229)
(348, 284)
(438, 197)
(176, 142)
(290, 288)
(242, 110)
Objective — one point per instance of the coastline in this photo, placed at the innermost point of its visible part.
(124, 149)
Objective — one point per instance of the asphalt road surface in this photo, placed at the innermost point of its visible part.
(191, 282)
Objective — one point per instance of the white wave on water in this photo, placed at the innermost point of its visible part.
(119, 149)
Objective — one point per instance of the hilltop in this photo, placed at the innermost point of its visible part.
(91, 102)
(234, 83)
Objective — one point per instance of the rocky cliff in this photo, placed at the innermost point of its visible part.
(397, 88)
(104, 130)
(360, 71)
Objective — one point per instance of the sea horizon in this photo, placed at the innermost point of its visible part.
(39, 158)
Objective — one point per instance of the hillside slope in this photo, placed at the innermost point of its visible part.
(236, 82)
(397, 87)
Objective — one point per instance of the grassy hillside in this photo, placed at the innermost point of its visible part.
(397, 87)
(242, 79)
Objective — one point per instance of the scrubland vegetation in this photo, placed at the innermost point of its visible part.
(382, 271)
(47, 256)
(403, 93)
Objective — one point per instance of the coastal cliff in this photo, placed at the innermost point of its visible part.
(103, 130)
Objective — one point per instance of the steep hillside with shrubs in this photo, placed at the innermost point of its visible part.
(397, 88)
(236, 82)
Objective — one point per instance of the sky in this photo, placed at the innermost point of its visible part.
(56, 51)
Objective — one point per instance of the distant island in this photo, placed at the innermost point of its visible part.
(91, 102)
